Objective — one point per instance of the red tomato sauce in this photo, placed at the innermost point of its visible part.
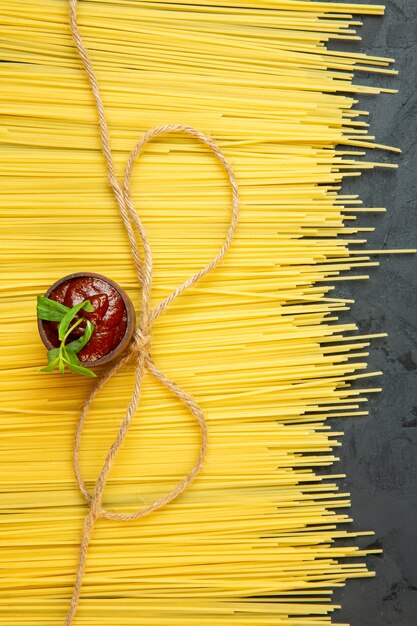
(109, 316)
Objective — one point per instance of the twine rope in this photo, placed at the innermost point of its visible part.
(139, 351)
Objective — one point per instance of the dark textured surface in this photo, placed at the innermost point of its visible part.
(379, 453)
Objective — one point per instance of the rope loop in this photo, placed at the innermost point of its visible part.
(142, 340)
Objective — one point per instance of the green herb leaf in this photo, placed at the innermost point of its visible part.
(53, 354)
(79, 321)
(69, 316)
(51, 310)
(73, 363)
(51, 366)
(79, 343)
(79, 369)
(69, 356)
(66, 354)
(88, 306)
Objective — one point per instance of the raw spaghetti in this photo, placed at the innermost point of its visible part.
(255, 540)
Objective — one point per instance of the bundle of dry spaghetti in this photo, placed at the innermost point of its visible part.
(256, 539)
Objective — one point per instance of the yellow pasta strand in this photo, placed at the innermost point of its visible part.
(256, 540)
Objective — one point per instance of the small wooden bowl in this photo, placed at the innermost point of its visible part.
(131, 318)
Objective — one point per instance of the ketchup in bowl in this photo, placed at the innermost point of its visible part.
(112, 316)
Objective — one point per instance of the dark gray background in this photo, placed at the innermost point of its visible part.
(379, 453)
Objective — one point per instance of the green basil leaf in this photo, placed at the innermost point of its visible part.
(69, 316)
(69, 356)
(78, 344)
(66, 354)
(73, 362)
(51, 366)
(79, 369)
(50, 309)
(53, 305)
(53, 354)
(88, 306)
(73, 326)
(50, 316)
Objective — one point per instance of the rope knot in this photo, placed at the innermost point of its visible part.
(142, 341)
(96, 509)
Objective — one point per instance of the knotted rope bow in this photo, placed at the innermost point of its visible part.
(140, 348)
